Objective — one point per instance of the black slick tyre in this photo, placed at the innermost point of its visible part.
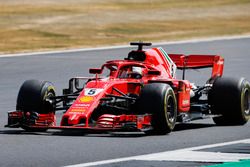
(159, 100)
(33, 97)
(229, 98)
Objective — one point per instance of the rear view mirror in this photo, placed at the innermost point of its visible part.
(95, 71)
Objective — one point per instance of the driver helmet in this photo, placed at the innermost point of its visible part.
(137, 69)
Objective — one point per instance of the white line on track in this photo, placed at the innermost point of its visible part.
(127, 46)
(187, 154)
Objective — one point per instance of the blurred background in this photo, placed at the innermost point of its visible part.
(28, 25)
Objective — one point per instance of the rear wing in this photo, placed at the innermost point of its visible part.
(183, 62)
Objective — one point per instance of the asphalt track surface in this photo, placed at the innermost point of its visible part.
(19, 148)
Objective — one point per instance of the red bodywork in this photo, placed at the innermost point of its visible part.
(158, 66)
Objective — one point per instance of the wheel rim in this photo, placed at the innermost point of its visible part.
(246, 102)
(170, 109)
(50, 94)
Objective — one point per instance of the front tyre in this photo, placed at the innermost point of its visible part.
(230, 99)
(159, 100)
(34, 97)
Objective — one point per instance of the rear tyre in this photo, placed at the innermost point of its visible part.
(159, 100)
(33, 97)
(230, 99)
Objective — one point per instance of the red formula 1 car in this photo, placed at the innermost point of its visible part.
(140, 93)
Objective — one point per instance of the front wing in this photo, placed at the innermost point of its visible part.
(105, 123)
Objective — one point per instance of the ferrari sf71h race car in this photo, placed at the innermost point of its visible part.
(139, 93)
